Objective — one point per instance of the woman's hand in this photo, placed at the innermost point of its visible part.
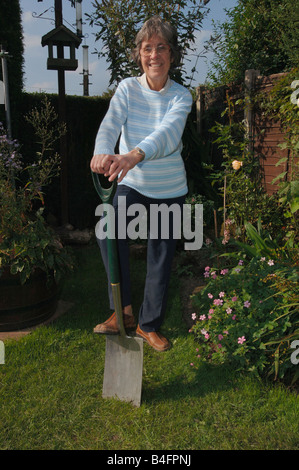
(101, 163)
(120, 163)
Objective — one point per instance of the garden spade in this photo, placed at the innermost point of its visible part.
(124, 354)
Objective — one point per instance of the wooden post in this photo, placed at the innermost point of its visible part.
(6, 90)
(62, 119)
(250, 79)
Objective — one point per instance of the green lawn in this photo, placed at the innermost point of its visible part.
(51, 386)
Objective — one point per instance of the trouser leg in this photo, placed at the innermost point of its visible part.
(160, 253)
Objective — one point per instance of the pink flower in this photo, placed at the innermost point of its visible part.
(219, 345)
(220, 337)
(228, 310)
(234, 299)
(247, 304)
(241, 340)
(210, 296)
(224, 271)
(240, 262)
(234, 317)
(207, 335)
(271, 262)
(211, 311)
(207, 268)
(193, 316)
(206, 274)
(221, 294)
(202, 317)
(218, 302)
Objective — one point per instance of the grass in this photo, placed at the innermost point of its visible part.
(51, 385)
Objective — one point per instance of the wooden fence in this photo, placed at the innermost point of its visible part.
(264, 135)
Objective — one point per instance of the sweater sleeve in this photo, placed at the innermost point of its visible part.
(164, 140)
(112, 123)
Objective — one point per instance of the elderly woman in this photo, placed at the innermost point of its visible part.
(150, 113)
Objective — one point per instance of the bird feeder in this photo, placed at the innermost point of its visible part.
(60, 41)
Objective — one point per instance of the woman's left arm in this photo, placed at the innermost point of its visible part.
(167, 137)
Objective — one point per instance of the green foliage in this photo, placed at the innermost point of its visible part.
(239, 180)
(118, 22)
(26, 243)
(280, 106)
(259, 34)
(248, 315)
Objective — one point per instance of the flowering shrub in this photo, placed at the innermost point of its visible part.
(26, 242)
(248, 315)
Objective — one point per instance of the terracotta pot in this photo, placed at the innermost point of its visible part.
(22, 306)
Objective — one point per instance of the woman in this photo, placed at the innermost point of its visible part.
(150, 113)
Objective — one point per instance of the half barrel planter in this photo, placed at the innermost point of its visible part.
(27, 305)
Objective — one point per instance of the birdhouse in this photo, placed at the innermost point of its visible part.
(62, 43)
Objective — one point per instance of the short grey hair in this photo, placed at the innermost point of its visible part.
(168, 32)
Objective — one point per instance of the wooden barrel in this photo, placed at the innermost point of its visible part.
(23, 306)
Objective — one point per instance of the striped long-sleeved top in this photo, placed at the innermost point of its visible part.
(154, 122)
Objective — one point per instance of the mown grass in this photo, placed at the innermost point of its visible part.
(51, 386)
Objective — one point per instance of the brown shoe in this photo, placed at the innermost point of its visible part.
(154, 339)
(110, 326)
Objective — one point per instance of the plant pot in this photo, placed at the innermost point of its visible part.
(23, 306)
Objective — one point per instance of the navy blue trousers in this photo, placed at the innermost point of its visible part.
(160, 253)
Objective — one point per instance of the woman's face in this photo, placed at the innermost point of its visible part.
(156, 59)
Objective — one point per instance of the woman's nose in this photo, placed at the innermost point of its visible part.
(154, 52)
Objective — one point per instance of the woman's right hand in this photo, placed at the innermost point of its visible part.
(101, 163)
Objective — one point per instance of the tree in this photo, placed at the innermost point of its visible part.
(259, 34)
(118, 22)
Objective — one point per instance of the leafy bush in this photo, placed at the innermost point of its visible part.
(26, 242)
(248, 315)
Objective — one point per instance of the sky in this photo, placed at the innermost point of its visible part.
(38, 20)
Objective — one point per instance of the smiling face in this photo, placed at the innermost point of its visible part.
(155, 55)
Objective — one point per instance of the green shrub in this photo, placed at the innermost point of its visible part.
(248, 315)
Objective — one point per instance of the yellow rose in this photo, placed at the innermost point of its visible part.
(236, 164)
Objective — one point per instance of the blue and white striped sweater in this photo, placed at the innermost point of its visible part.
(153, 121)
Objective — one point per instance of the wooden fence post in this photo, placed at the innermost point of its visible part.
(250, 79)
